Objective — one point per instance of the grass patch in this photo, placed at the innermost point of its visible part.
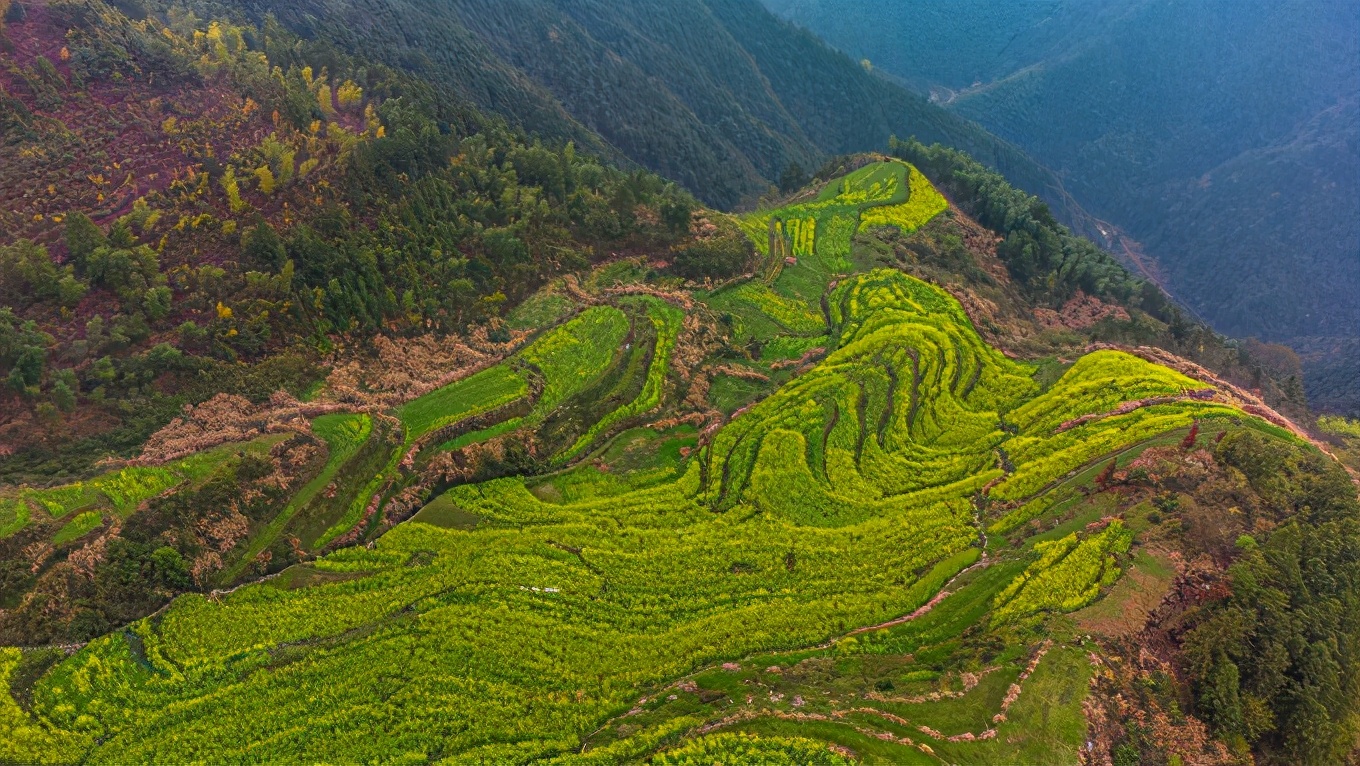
(542, 309)
(1124, 610)
(728, 393)
(81, 525)
(14, 515)
(443, 512)
(574, 355)
(1044, 726)
(470, 396)
(484, 434)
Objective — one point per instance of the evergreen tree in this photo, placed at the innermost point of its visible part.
(83, 237)
(793, 178)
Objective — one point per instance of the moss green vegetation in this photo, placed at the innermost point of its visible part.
(542, 309)
(14, 515)
(473, 437)
(472, 395)
(633, 460)
(790, 347)
(445, 406)
(758, 304)
(1344, 434)
(574, 355)
(1335, 424)
(82, 524)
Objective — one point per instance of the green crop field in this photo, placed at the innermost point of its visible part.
(343, 435)
(566, 360)
(923, 204)
(574, 355)
(817, 238)
(666, 321)
(471, 395)
(77, 527)
(120, 492)
(814, 571)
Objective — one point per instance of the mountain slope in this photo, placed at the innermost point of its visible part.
(899, 466)
(720, 96)
(191, 223)
(346, 423)
(1232, 158)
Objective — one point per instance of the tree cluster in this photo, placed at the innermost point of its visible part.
(1275, 665)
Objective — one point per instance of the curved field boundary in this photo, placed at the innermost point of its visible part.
(343, 435)
(667, 321)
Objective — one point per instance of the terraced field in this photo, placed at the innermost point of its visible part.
(109, 496)
(560, 363)
(343, 435)
(827, 566)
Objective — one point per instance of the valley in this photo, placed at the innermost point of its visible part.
(345, 420)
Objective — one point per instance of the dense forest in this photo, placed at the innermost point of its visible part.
(721, 97)
(302, 228)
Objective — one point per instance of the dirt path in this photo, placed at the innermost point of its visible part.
(983, 562)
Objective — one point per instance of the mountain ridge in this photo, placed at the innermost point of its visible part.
(387, 430)
(1150, 113)
(823, 124)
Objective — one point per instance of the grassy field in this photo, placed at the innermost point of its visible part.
(666, 321)
(472, 395)
(565, 359)
(79, 526)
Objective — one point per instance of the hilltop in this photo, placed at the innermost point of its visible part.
(461, 444)
(1229, 166)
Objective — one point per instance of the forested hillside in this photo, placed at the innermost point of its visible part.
(720, 96)
(1232, 158)
(344, 420)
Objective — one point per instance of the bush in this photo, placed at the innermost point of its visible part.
(719, 257)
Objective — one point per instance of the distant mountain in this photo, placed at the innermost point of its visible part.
(721, 96)
(1220, 135)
